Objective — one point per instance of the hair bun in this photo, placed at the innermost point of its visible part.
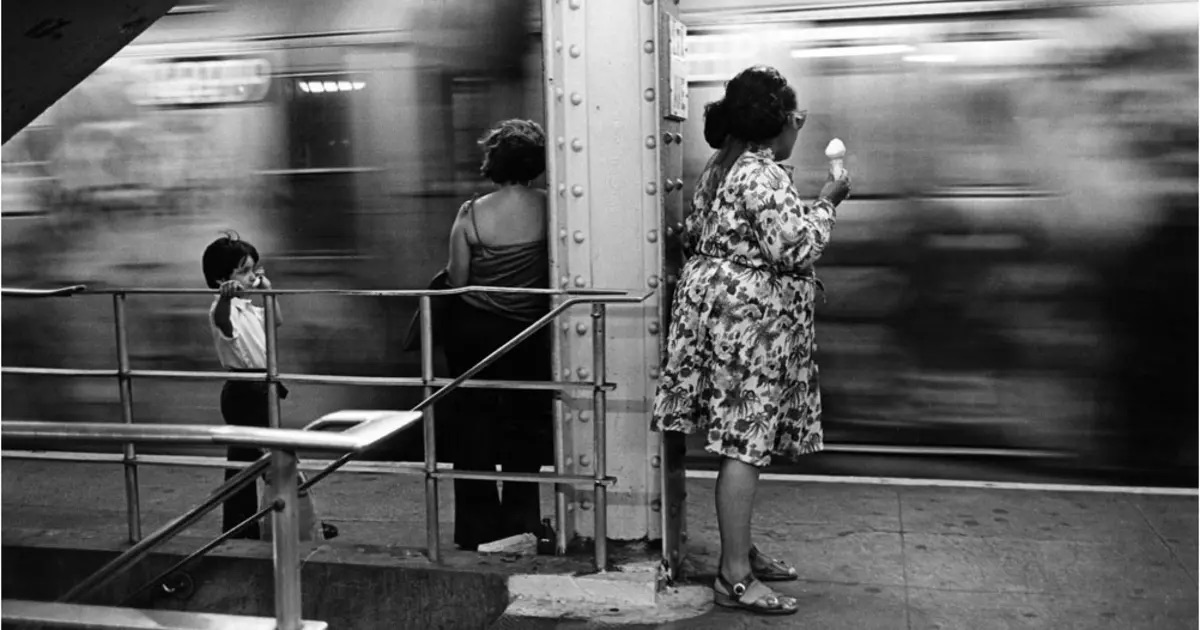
(716, 124)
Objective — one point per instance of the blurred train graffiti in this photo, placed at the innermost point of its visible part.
(1015, 270)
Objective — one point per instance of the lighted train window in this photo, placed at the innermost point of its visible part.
(320, 108)
(321, 180)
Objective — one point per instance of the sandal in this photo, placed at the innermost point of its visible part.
(769, 569)
(752, 595)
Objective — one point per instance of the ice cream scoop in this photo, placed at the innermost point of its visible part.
(836, 152)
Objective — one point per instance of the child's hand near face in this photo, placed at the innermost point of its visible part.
(261, 281)
(231, 288)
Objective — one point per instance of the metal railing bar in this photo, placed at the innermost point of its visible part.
(444, 470)
(203, 461)
(312, 379)
(353, 440)
(77, 289)
(429, 428)
(40, 371)
(143, 547)
(207, 547)
(599, 438)
(523, 385)
(133, 502)
(416, 468)
(541, 478)
(522, 336)
(39, 293)
(486, 361)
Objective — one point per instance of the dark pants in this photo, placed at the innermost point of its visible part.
(511, 428)
(244, 403)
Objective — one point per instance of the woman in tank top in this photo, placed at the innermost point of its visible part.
(499, 240)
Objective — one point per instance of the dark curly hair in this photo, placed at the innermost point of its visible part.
(755, 108)
(513, 151)
(222, 257)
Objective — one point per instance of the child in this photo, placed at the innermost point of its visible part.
(239, 333)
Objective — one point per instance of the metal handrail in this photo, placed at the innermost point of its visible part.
(357, 439)
(360, 438)
(36, 293)
(79, 288)
(321, 379)
(374, 427)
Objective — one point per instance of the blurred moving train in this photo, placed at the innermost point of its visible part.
(1014, 272)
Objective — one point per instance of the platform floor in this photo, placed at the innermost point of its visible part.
(869, 556)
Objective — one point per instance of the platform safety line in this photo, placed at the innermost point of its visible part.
(960, 483)
(416, 468)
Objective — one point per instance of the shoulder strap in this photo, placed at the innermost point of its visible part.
(474, 223)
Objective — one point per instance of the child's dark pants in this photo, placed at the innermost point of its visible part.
(244, 403)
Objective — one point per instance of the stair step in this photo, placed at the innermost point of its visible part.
(19, 613)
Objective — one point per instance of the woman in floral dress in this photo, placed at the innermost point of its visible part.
(740, 364)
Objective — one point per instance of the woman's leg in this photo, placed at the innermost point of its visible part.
(736, 485)
(477, 517)
(527, 419)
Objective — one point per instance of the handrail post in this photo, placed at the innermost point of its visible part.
(272, 315)
(133, 507)
(560, 490)
(432, 526)
(285, 538)
(600, 428)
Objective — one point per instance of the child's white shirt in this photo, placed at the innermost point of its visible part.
(246, 349)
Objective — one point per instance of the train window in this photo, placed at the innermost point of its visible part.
(470, 101)
(321, 182)
(319, 114)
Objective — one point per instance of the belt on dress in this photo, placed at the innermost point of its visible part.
(809, 276)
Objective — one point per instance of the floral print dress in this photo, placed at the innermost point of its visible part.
(740, 353)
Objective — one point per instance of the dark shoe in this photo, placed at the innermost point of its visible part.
(769, 569)
(752, 595)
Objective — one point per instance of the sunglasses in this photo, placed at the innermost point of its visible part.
(797, 119)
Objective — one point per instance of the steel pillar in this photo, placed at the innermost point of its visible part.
(611, 175)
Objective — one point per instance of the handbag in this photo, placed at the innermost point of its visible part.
(439, 307)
